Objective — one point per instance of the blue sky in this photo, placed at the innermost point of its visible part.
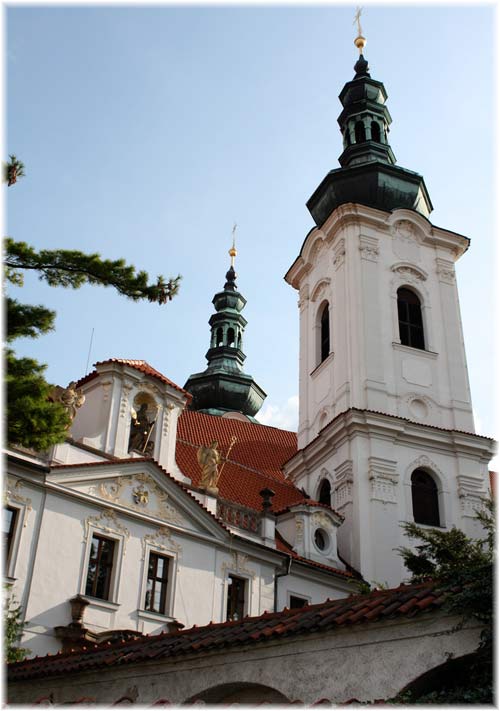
(148, 131)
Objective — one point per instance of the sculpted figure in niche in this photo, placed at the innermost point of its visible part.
(141, 429)
(209, 459)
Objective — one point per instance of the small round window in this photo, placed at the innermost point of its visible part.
(320, 539)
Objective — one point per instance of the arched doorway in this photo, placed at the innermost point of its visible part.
(240, 693)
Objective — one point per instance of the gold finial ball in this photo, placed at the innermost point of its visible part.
(233, 252)
(360, 43)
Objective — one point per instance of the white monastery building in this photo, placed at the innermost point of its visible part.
(171, 506)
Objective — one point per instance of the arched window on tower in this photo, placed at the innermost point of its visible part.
(219, 339)
(325, 333)
(411, 327)
(347, 137)
(325, 493)
(239, 340)
(424, 497)
(375, 131)
(230, 337)
(359, 132)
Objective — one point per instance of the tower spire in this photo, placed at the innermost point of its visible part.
(223, 387)
(368, 174)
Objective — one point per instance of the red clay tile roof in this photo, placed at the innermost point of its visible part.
(254, 461)
(140, 365)
(406, 601)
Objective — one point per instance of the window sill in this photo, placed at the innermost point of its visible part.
(95, 602)
(154, 616)
(414, 351)
(319, 367)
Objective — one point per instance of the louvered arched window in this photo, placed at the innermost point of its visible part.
(411, 326)
(425, 499)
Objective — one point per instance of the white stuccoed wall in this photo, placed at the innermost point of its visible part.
(356, 262)
(366, 662)
(103, 422)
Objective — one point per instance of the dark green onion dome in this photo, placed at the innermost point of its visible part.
(368, 174)
(224, 387)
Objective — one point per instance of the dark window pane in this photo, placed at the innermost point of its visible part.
(236, 598)
(297, 602)
(325, 333)
(325, 492)
(425, 500)
(156, 588)
(411, 332)
(9, 526)
(100, 567)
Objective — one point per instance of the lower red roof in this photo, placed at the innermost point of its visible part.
(405, 601)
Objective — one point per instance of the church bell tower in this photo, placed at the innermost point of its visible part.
(385, 412)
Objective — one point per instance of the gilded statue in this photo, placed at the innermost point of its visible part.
(141, 429)
(71, 398)
(209, 459)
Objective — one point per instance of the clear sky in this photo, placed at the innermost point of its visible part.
(148, 131)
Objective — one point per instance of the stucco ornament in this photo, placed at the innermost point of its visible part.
(405, 243)
(320, 518)
(161, 540)
(339, 253)
(106, 521)
(445, 270)
(140, 495)
(238, 563)
(368, 247)
(124, 489)
(12, 493)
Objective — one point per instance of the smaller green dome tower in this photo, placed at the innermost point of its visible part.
(223, 387)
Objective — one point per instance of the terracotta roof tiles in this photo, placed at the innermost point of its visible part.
(405, 601)
(140, 365)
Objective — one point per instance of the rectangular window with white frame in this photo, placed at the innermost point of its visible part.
(100, 567)
(157, 583)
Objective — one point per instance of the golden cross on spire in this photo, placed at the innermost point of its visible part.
(360, 41)
(359, 10)
(232, 251)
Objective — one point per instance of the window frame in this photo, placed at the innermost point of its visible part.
(246, 602)
(172, 552)
(165, 583)
(116, 535)
(410, 325)
(110, 566)
(435, 493)
(21, 521)
(306, 599)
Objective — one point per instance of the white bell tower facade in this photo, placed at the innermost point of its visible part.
(385, 414)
